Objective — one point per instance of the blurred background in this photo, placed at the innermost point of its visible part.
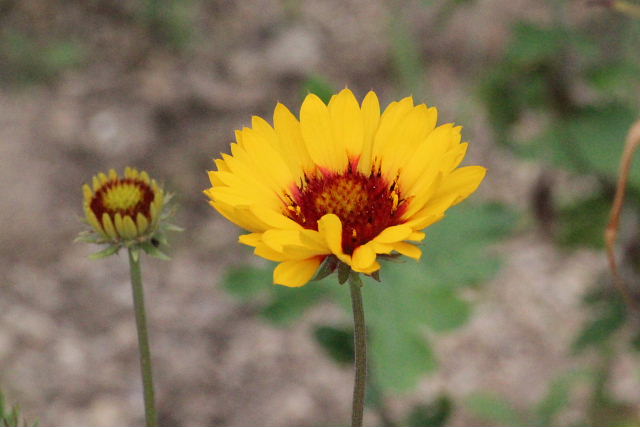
(509, 319)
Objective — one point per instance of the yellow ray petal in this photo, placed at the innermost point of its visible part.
(252, 239)
(274, 219)
(389, 121)
(317, 131)
(411, 131)
(371, 118)
(108, 226)
(296, 273)
(141, 223)
(290, 136)
(461, 183)
(363, 258)
(347, 122)
(407, 249)
(330, 227)
(392, 234)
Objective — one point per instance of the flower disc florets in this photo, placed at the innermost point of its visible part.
(123, 210)
(366, 205)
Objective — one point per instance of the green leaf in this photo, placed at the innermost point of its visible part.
(596, 136)
(611, 76)
(494, 409)
(610, 316)
(288, 304)
(336, 342)
(413, 297)
(319, 86)
(108, 251)
(557, 397)
(582, 223)
(534, 44)
(435, 414)
(407, 56)
(246, 282)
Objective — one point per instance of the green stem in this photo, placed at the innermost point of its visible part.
(360, 347)
(151, 416)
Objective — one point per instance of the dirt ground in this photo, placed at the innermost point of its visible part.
(68, 349)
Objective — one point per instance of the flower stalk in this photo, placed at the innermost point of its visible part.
(360, 348)
(151, 416)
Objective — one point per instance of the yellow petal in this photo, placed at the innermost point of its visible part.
(142, 223)
(409, 134)
(317, 131)
(371, 118)
(108, 226)
(91, 217)
(252, 239)
(347, 121)
(462, 183)
(389, 121)
(118, 223)
(363, 258)
(296, 273)
(144, 176)
(88, 194)
(274, 219)
(290, 136)
(394, 233)
(407, 249)
(330, 227)
(129, 227)
(417, 236)
(113, 174)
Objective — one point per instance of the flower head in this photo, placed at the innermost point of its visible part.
(125, 211)
(344, 181)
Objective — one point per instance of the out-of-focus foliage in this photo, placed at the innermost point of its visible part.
(26, 59)
(10, 416)
(412, 299)
(435, 414)
(577, 83)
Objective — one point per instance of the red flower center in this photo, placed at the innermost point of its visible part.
(128, 196)
(366, 205)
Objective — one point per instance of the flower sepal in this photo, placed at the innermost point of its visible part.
(328, 266)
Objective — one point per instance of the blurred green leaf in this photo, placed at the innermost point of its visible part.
(10, 416)
(435, 414)
(319, 86)
(494, 409)
(582, 223)
(336, 342)
(170, 22)
(288, 304)
(610, 314)
(28, 60)
(246, 282)
(613, 76)
(407, 57)
(599, 133)
(534, 44)
(412, 298)
(557, 397)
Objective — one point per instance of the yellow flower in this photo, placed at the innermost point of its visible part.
(344, 180)
(123, 210)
